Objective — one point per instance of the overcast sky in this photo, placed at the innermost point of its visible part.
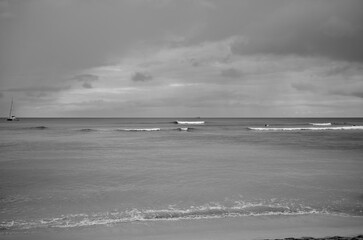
(150, 58)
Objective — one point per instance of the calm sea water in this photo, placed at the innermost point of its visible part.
(71, 173)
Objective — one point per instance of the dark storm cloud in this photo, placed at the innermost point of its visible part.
(319, 28)
(73, 35)
(86, 79)
(141, 77)
(231, 73)
(355, 93)
(288, 52)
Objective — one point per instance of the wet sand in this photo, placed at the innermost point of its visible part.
(259, 227)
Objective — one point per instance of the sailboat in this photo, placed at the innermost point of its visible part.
(11, 116)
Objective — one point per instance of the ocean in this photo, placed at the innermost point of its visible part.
(70, 174)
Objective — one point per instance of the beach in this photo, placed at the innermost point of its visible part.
(181, 120)
(157, 179)
(227, 228)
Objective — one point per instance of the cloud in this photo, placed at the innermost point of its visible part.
(337, 70)
(302, 86)
(86, 79)
(194, 62)
(309, 28)
(270, 82)
(358, 94)
(295, 57)
(38, 89)
(5, 11)
(141, 77)
(348, 93)
(338, 27)
(87, 85)
(343, 70)
(53, 36)
(4, 4)
(231, 73)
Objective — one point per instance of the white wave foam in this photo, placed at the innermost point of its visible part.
(190, 122)
(207, 211)
(320, 124)
(86, 130)
(305, 128)
(140, 129)
(89, 130)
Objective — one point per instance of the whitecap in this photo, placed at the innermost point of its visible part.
(140, 129)
(206, 211)
(321, 124)
(190, 122)
(305, 128)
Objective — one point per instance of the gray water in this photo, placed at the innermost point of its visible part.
(71, 173)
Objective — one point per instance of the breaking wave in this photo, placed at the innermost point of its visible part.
(305, 128)
(184, 129)
(190, 122)
(139, 129)
(86, 130)
(207, 211)
(321, 124)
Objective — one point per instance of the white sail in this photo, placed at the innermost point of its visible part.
(11, 117)
(11, 108)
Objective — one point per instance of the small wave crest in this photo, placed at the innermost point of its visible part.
(190, 122)
(207, 211)
(139, 129)
(305, 128)
(187, 129)
(86, 130)
(321, 124)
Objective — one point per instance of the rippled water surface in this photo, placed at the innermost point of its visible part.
(67, 173)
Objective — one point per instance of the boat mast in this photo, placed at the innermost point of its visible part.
(11, 107)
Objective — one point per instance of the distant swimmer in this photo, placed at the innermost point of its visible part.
(266, 125)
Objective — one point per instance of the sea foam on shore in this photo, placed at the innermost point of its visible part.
(358, 237)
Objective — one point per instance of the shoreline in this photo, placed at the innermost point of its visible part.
(304, 227)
